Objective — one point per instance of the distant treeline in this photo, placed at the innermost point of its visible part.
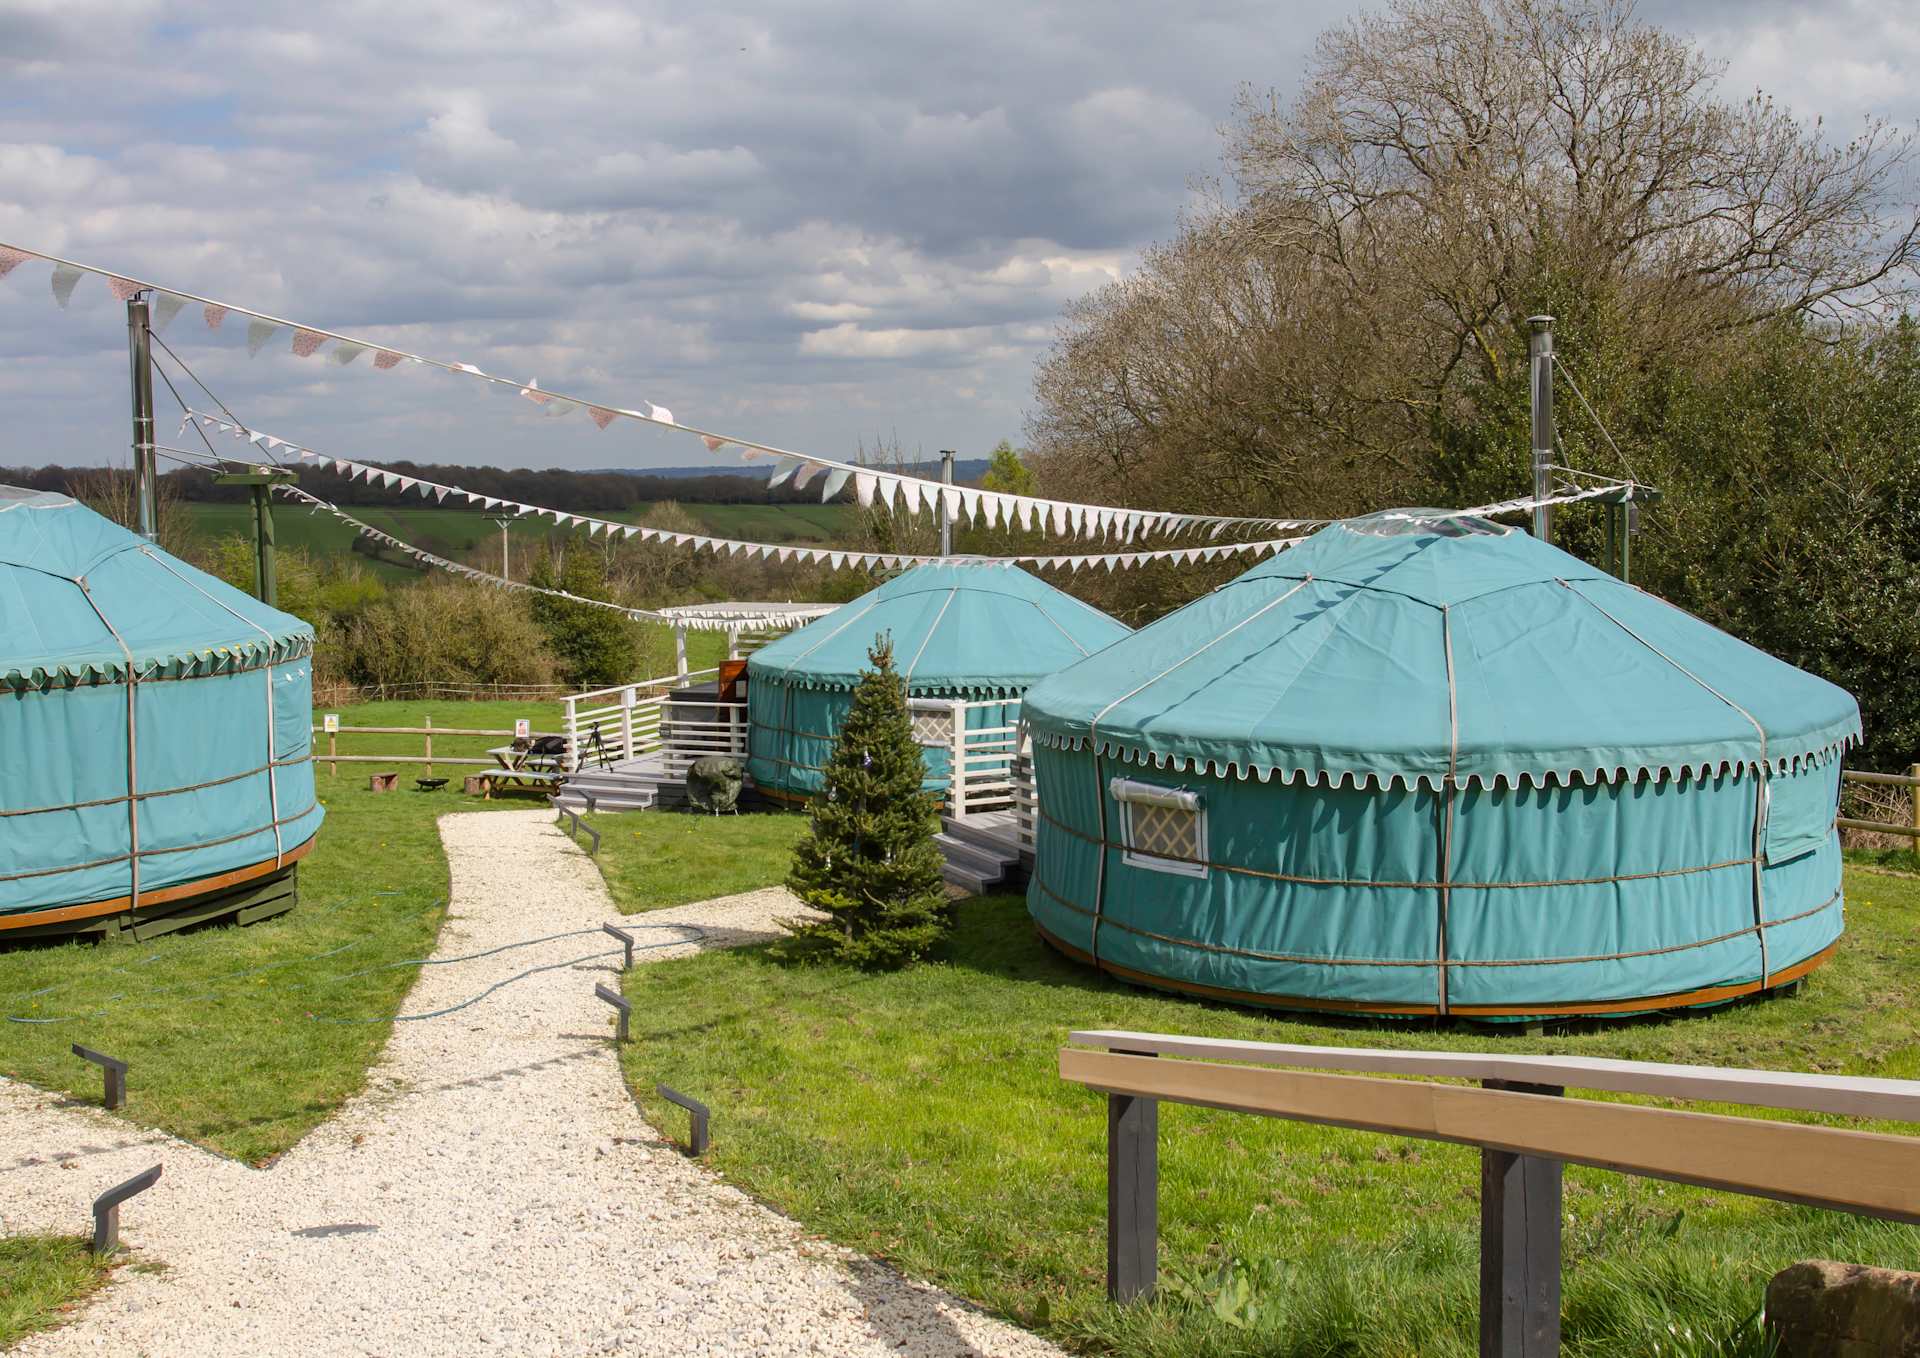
(584, 492)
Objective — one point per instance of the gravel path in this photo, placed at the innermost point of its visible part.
(493, 1191)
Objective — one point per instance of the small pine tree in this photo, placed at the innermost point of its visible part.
(870, 861)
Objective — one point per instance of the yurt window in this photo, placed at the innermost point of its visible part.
(932, 722)
(1164, 828)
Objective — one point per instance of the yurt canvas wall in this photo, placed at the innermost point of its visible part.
(1423, 765)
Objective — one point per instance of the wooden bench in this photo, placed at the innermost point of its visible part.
(539, 780)
(1526, 1132)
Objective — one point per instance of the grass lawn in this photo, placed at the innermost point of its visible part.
(223, 1026)
(919, 1116)
(653, 859)
(45, 1276)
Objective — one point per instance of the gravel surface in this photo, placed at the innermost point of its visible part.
(493, 1190)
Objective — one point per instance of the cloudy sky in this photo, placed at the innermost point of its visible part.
(814, 224)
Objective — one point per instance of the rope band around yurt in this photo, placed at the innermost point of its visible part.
(1434, 885)
(1441, 964)
(156, 853)
(152, 793)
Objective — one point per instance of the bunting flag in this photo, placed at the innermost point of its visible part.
(65, 278)
(11, 258)
(838, 558)
(166, 306)
(307, 342)
(895, 491)
(258, 333)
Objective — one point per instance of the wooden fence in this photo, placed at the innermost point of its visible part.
(1909, 780)
(1526, 1132)
(332, 757)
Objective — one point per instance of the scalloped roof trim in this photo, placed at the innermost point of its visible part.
(200, 664)
(915, 689)
(1373, 781)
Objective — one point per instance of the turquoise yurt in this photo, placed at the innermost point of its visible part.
(154, 733)
(978, 631)
(1426, 764)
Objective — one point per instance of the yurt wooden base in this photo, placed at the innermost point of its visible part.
(242, 896)
(1651, 1004)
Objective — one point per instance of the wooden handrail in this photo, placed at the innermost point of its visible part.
(1525, 1130)
(1845, 1095)
(1870, 1173)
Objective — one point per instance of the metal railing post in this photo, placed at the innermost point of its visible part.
(115, 1090)
(1519, 1247)
(106, 1209)
(697, 1118)
(1133, 1194)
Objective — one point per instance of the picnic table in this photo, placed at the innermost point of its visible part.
(520, 763)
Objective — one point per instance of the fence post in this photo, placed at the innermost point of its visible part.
(569, 732)
(1519, 1248)
(429, 729)
(957, 760)
(1913, 803)
(680, 650)
(1133, 1194)
(333, 766)
(626, 722)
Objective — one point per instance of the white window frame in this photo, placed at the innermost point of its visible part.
(932, 707)
(1130, 793)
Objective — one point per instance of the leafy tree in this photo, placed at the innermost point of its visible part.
(595, 646)
(870, 861)
(1006, 473)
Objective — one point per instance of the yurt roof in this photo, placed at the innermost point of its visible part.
(1404, 646)
(81, 597)
(972, 629)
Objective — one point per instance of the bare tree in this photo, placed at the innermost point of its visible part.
(1317, 331)
(110, 493)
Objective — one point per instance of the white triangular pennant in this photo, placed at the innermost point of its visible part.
(258, 333)
(166, 305)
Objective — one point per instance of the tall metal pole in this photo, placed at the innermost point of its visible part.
(1540, 349)
(946, 520)
(140, 365)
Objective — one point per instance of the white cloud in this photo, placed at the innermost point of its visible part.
(810, 225)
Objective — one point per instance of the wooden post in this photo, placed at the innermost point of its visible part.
(1133, 1194)
(1913, 801)
(680, 650)
(570, 759)
(333, 765)
(1519, 1248)
(429, 730)
(627, 696)
(957, 760)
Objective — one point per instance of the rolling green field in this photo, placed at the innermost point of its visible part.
(456, 532)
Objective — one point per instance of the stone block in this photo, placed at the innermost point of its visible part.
(1823, 1309)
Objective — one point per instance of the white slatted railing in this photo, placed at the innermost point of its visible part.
(622, 722)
